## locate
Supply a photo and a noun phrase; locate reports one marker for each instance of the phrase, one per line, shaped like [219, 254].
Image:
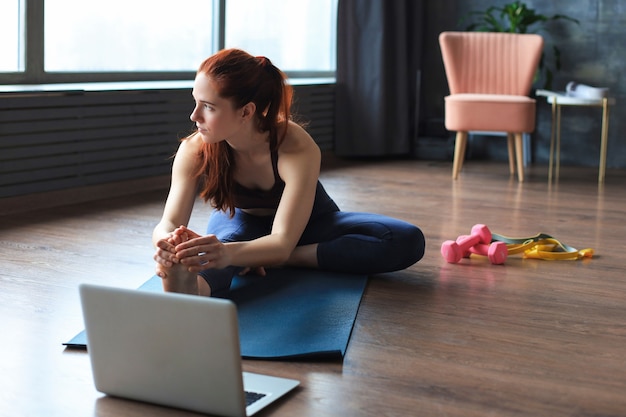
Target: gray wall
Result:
[593, 53]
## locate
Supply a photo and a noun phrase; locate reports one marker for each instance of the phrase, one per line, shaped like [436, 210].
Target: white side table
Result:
[557, 100]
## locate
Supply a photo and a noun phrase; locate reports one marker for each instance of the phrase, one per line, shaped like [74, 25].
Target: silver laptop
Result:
[174, 350]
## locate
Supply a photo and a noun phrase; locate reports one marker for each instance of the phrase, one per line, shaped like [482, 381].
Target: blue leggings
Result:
[359, 243]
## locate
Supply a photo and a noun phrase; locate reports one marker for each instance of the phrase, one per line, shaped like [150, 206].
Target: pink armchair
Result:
[490, 76]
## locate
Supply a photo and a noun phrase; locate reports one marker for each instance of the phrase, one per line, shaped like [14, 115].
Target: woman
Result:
[260, 172]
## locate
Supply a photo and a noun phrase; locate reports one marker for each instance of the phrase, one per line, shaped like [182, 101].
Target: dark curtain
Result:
[379, 46]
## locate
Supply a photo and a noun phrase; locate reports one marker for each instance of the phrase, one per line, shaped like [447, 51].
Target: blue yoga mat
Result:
[289, 314]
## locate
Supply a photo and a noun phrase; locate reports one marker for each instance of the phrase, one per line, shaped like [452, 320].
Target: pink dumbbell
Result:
[497, 252]
[453, 251]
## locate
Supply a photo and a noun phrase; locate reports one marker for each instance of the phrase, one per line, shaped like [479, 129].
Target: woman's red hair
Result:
[242, 78]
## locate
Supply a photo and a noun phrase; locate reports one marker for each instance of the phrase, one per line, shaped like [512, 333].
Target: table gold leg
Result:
[604, 139]
[558, 140]
[551, 161]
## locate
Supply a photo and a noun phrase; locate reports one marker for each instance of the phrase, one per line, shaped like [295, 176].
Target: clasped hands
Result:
[193, 251]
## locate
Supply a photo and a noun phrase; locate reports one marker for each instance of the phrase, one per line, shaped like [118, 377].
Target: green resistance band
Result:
[541, 246]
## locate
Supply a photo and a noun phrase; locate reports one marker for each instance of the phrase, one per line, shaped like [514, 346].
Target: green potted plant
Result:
[516, 17]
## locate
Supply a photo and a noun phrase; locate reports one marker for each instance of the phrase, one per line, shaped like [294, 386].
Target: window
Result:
[11, 33]
[56, 41]
[295, 35]
[137, 35]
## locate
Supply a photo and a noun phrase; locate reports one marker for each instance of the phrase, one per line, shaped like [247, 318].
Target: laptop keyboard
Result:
[252, 397]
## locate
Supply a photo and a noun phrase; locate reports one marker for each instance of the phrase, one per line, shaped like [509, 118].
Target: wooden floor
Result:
[530, 338]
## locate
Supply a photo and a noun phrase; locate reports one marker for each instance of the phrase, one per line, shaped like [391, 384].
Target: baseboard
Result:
[433, 148]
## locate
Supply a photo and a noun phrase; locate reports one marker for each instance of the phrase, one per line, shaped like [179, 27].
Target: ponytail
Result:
[273, 100]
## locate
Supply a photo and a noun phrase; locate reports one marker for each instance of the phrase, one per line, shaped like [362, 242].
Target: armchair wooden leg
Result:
[459, 153]
[510, 139]
[519, 151]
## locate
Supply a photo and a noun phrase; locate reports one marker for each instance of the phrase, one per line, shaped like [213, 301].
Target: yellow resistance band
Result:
[541, 246]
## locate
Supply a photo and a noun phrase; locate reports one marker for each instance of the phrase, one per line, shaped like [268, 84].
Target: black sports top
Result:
[248, 198]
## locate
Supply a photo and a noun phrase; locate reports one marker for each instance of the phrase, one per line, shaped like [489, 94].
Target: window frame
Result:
[34, 57]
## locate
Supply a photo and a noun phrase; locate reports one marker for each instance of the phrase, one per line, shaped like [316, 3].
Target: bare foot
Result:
[180, 280]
